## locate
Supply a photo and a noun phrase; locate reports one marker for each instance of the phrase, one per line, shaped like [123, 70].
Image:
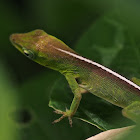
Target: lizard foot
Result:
[64, 115]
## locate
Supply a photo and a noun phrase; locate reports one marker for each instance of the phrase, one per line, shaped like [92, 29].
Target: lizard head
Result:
[27, 43]
[41, 48]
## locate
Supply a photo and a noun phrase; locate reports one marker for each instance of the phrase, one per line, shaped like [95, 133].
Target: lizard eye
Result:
[29, 54]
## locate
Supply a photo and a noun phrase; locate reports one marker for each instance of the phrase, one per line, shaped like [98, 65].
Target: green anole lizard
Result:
[82, 74]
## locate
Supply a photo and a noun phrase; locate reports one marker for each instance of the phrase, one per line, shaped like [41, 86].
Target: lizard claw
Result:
[58, 112]
[58, 120]
[70, 121]
[64, 114]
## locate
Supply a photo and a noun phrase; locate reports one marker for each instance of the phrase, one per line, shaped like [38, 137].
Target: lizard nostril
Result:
[12, 38]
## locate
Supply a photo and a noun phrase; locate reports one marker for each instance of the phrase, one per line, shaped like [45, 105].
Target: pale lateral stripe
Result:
[99, 65]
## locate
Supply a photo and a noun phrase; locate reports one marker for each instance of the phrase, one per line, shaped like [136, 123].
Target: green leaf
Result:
[134, 134]
[102, 41]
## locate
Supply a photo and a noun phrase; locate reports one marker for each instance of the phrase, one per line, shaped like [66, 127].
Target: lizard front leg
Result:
[76, 100]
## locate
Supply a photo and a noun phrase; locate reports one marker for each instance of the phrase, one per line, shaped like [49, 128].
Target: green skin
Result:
[81, 75]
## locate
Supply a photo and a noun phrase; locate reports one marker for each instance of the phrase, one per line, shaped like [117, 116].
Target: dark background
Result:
[68, 21]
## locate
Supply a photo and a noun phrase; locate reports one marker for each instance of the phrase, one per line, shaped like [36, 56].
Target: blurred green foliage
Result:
[8, 102]
[104, 31]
